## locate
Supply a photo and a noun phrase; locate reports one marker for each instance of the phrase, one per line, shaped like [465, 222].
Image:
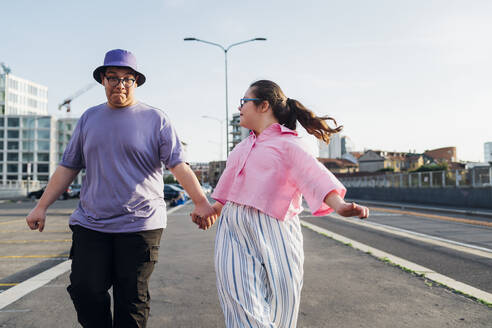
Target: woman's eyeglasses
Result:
[242, 101]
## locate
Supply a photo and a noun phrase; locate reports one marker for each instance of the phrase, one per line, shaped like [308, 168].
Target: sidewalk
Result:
[342, 288]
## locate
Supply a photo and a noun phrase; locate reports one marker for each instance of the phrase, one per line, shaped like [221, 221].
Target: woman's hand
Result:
[353, 209]
[343, 208]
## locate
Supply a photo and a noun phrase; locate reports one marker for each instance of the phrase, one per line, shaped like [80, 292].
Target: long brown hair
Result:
[288, 111]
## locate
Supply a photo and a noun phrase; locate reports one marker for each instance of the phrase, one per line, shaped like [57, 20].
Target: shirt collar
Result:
[275, 129]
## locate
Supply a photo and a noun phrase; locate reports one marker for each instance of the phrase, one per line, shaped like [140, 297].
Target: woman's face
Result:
[248, 116]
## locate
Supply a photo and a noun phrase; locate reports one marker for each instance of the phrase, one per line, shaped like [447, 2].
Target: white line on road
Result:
[11, 295]
[426, 272]
[462, 247]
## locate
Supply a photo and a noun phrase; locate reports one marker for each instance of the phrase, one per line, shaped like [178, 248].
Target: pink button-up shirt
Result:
[272, 172]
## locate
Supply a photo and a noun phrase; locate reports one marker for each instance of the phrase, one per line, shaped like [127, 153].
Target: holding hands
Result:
[204, 215]
[205, 221]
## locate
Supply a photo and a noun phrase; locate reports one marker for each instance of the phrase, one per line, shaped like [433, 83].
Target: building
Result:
[201, 171]
[238, 132]
[64, 131]
[377, 160]
[27, 148]
[339, 165]
[22, 97]
[487, 152]
[331, 150]
[445, 154]
[215, 170]
[347, 146]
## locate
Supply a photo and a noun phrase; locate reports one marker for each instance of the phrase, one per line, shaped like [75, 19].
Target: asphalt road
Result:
[343, 287]
[467, 268]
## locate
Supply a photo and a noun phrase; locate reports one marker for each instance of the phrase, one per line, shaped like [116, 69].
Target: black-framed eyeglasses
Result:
[114, 81]
[242, 101]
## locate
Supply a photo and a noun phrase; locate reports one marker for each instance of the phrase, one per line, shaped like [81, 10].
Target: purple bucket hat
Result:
[119, 58]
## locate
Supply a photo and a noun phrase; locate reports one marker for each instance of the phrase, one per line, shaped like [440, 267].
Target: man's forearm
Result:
[185, 176]
[59, 182]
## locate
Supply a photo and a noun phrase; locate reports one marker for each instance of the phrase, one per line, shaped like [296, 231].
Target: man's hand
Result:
[36, 219]
[353, 209]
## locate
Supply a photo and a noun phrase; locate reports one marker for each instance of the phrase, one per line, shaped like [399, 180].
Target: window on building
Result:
[1, 169]
[12, 177]
[44, 122]
[14, 157]
[43, 145]
[1, 158]
[1, 133]
[1, 121]
[13, 98]
[1, 145]
[42, 177]
[27, 157]
[32, 90]
[13, 84]
[43, 134]
[43, 157]
[12, 145]
[13, 134]
[27, 134]
[12, 168]
[32, 102]
[2, 110]
[43, 168]
[28, 122]
[28, 145]
[2, 96]
[13, 122]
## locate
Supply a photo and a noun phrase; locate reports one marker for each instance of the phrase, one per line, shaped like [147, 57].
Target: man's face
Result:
[120, 93]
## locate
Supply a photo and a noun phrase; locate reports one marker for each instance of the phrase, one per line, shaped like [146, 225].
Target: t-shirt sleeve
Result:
[171, 151]
[73, 156]
[313, 180]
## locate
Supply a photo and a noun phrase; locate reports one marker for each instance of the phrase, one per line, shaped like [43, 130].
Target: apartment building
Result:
[27, 147]
[22, 97]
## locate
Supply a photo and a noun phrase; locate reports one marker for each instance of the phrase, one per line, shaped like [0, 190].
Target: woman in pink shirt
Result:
[258, 248]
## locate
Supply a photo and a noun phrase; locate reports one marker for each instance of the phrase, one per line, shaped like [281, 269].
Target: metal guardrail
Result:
[476, 177]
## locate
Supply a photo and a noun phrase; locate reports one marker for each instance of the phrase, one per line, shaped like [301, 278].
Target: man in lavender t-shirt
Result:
[119, 220]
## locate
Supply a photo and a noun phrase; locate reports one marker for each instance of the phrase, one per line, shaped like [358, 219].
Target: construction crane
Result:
[66, 102]
[5, 68]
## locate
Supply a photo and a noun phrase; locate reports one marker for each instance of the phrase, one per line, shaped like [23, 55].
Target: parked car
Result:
[174, 194]
[38, 193]
[74, 190]
[207, 188]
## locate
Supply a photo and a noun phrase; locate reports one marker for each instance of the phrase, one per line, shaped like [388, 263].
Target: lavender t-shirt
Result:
[122, 151]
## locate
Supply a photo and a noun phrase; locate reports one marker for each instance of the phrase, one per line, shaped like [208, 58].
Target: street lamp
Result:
[221, 134]
[225, 49]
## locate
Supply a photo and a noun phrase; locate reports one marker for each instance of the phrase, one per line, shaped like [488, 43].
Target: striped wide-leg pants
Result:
[259, 266]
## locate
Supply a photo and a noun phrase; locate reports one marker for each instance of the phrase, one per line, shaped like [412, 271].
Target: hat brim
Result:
[97, 74]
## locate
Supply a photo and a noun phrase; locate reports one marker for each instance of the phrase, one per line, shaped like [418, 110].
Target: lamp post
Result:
[225, 49]
[221, 133]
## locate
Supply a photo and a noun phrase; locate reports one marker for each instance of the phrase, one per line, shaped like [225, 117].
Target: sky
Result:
[398, 75]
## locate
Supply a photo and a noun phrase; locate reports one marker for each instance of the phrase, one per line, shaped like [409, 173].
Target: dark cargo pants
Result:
[123, 261]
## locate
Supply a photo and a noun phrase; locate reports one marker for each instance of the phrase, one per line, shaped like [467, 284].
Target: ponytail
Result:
[288, 111]
[313, 124]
